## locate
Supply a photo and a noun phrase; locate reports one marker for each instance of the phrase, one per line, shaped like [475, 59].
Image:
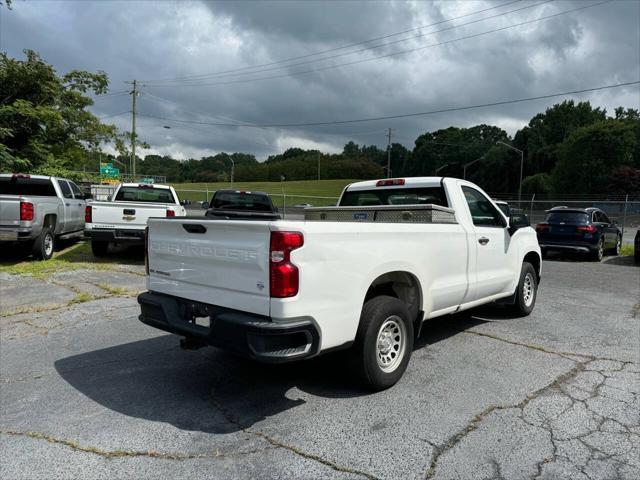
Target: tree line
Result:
[571, 148]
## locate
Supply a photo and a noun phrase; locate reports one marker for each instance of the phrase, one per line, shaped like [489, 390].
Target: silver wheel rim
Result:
[527, 290]
[618, 246]
[48, 244]
[391, 343]
[600, 250]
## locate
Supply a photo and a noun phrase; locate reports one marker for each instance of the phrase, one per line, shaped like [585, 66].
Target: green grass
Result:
[75, 257]
[626, 250]
[296, 192]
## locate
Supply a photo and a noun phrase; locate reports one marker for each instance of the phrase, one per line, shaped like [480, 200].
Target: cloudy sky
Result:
[284, 62]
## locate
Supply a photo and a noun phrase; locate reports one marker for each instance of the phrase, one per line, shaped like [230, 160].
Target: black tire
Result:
[526, 297]
[598, 254]
[45, 244]
[99, 249]
[382, 316]
[616, 250]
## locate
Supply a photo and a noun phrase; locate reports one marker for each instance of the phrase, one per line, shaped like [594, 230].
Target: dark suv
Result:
[586, 230]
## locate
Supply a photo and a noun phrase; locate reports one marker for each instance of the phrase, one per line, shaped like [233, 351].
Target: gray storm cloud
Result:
[154, 42]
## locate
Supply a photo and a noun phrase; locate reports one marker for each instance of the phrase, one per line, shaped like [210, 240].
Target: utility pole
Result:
[389, 130]
[134, 94]
[318, 164]
[233, 168]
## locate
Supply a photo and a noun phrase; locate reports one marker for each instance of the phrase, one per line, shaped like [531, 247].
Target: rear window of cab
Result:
[35, 187]
[144, 194]
[394, 196]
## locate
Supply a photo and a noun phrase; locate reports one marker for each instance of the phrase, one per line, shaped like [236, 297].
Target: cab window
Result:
[483, 213]
[76, 191]
[66, 189]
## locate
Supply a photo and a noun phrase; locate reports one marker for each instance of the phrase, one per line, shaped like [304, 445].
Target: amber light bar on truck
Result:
[284, 275]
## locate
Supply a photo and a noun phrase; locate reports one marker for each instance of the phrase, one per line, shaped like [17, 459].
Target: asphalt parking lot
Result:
[87, 391]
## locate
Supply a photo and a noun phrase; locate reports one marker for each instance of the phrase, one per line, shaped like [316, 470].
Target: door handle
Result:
[483, 240]
[67, 204]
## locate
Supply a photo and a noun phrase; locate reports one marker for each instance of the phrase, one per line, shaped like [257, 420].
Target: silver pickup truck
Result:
[35, 210]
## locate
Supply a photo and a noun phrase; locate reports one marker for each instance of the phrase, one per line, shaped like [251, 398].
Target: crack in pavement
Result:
[130, 453]
[277, 443]
[599, 422]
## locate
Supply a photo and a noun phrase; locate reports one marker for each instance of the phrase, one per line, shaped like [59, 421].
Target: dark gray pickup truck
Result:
[35, 210]
[229, 204]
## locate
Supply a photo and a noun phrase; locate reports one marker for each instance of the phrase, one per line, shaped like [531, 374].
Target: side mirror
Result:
[517, 221]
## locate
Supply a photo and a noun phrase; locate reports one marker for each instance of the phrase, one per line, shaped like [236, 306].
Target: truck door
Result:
[69, 220]
[493, 273]
[78, 207]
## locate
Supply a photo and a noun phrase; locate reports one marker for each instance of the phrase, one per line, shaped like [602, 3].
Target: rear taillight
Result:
[389, 182]
[587, 229]
[26, 211]
[146, 250]
[284, 276]
[542, 227]
[171, 213]
[88, 214]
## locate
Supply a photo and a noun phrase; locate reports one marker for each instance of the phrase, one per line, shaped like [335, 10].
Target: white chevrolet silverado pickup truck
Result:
[123, 219]
[364, 275]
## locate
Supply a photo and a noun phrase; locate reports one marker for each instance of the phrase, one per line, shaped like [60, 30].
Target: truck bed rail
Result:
[425, 213]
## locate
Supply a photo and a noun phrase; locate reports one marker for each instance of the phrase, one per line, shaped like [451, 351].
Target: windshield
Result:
[567, 217]
[394, 196]
[37, 187]
[145, 194]
[245, 201]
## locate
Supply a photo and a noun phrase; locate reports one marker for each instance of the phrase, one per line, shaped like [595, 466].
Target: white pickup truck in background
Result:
[364, 275]
[123, 219]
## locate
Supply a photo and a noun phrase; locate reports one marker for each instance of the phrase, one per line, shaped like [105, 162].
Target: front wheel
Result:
[44, 245]
[618, 246]
[384, 342]
[527, 291]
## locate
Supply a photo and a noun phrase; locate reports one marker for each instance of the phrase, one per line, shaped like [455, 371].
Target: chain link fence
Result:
[624, 210]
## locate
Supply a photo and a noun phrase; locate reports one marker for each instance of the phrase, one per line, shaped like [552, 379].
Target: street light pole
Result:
[464, 168]
[440, 168]
[521, 167]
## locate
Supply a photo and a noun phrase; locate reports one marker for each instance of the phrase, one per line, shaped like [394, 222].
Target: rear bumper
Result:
[574, 247]
[243, 333]
[129, 237]
[18, 234]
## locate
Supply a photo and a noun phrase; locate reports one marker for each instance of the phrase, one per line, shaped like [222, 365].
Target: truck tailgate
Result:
[9, 210]
[217, 262]
[125, 214]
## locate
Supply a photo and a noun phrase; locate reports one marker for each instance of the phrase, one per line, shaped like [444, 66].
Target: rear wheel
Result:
[99, 249]
[598, 253]
[527, 291]
[384, 342]
[44, 245]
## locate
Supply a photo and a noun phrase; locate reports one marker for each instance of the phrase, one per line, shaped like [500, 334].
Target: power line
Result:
[404, 115]
[335, 49]
[388, 55]
[102, 117]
